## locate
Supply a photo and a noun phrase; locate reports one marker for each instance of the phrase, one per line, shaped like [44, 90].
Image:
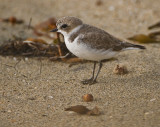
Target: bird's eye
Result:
[64, 25]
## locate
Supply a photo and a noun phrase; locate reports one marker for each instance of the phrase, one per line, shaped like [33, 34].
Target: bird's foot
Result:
[88, 81]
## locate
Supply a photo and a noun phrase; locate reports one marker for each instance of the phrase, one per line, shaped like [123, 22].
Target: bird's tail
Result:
[139, 46]
[128, 45]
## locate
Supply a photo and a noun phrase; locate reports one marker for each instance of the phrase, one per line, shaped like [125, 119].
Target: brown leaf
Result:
[13, 20]
[141, 38]
[80, 109]
[47, 25]
[155, 35]
[156, 25]
[43, 28]
[36, 40]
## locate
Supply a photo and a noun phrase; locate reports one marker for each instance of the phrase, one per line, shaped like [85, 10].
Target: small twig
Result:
[58, 37]
[29, 25]
[61, 57]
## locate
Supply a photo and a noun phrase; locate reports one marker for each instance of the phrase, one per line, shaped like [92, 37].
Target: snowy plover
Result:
[90, 43]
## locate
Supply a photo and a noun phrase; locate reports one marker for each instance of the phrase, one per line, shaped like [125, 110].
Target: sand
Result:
[34, 93]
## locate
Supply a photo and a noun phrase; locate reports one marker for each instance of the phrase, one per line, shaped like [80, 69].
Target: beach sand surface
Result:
[35, 92]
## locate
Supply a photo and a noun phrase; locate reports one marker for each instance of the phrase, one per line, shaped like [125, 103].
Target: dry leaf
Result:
[47, 25]
[36, 40]
[121, 70]
[141, 38]
[80, 109]
[155, 35]
[156, 25]
[13, 20]
[43, 29]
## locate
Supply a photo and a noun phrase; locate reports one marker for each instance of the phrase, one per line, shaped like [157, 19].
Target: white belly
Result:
[84, 51]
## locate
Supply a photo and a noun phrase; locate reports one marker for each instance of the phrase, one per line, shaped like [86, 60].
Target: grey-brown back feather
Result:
[100, 39]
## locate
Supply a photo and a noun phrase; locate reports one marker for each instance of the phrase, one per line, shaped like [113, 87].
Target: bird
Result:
[90, 43]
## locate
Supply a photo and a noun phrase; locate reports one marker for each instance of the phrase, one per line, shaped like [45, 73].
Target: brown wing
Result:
[101, 41]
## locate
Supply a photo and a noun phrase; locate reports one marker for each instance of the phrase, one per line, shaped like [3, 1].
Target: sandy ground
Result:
[34, 93]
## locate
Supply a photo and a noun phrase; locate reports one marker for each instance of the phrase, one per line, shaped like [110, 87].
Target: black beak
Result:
[54, 30]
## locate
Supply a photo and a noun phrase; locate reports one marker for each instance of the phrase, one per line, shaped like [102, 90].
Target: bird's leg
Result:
[99, 69]
[88, 81]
